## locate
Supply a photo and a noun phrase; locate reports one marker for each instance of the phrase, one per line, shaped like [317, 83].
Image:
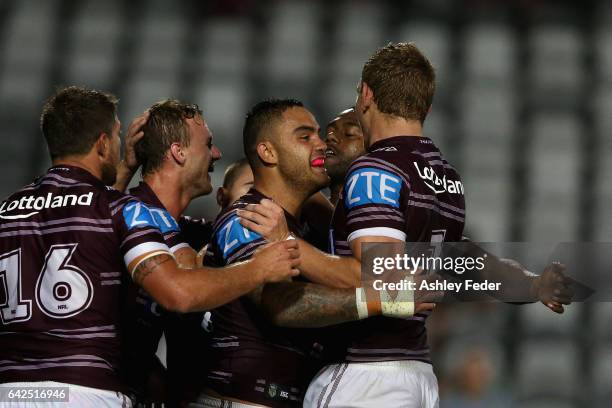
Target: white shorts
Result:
[397, 384]
[78, 396]
[206, 401]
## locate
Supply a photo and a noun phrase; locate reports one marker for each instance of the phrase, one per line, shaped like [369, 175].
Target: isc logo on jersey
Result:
[139, 215]
[369, 185]
[232, 235]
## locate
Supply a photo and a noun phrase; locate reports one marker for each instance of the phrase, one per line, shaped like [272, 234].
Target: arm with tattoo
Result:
[188, 290]
[148, 266]
[307, 305]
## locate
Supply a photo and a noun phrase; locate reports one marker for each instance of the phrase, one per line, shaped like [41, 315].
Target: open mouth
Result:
[330, 153]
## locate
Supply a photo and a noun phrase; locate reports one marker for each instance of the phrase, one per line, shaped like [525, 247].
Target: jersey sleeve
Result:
[372, 202]
[167, 225]
[139, 233]
[231, 242]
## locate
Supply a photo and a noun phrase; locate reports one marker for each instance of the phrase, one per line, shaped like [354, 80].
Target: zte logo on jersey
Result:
[138, 215]
[436, 184]
[232, 235]
[370, 185]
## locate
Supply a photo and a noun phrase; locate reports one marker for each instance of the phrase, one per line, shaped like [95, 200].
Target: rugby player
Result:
[66, 237]
[167, 187]
[237, 181]
[252, 362]
[389, 196]
[344, 140]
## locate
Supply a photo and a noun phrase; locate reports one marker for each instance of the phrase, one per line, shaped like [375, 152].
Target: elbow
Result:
[178, 300]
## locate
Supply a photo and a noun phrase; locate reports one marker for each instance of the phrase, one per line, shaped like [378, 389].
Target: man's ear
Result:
[367, 96]
[221, 197]
[102, 145]
[267, 154]
[177, 153]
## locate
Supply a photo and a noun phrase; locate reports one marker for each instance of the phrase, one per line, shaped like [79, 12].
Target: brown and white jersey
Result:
[144, 320]
[65, 241]
[404, 189]
[251, 359]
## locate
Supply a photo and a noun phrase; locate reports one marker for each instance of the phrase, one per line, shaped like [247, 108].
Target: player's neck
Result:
[384, 127]
[283, 194]
[168, 191]
[80, 162]
[335, 190]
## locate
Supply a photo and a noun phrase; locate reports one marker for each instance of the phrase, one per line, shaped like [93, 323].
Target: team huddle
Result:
[264, 306]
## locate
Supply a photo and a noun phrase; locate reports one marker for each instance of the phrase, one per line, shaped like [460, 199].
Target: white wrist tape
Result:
[362, 304]
[402, 306]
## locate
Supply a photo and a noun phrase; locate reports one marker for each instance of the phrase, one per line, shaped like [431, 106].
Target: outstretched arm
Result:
[519, 285]
[309, 305]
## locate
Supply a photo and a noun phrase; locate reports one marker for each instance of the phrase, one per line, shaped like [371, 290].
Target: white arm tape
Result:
[362, 304]
[402, 306]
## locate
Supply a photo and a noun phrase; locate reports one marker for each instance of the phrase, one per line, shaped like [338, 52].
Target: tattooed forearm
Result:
[301, 304]
[148, 266]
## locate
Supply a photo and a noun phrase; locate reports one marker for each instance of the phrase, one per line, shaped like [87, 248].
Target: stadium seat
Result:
[226, 47]
[293, 42]
[553, 177]
[224, 104]
[548, 369]
[538, 320]
[603, 54]
[602, 321]
[602, 375]
[94, 44]
[490, 52]
[556, 68]
[162, 35]
[354, 39]
[27, 54]
[548, 402]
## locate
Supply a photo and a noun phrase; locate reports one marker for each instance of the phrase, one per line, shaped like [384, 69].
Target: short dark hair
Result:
[402, 80]
[166, 125]
[73, 119]
[259, 119]
[232, 172]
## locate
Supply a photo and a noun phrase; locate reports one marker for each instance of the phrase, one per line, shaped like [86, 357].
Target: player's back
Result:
[403, 189]
[62, 253]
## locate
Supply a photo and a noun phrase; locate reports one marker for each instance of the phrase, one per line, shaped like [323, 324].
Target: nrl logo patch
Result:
[272, 390]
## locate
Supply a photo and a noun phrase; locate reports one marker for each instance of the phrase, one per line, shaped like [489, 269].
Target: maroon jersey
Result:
[66, 238]
[144, 320]
[403, 189]
[251, 359]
